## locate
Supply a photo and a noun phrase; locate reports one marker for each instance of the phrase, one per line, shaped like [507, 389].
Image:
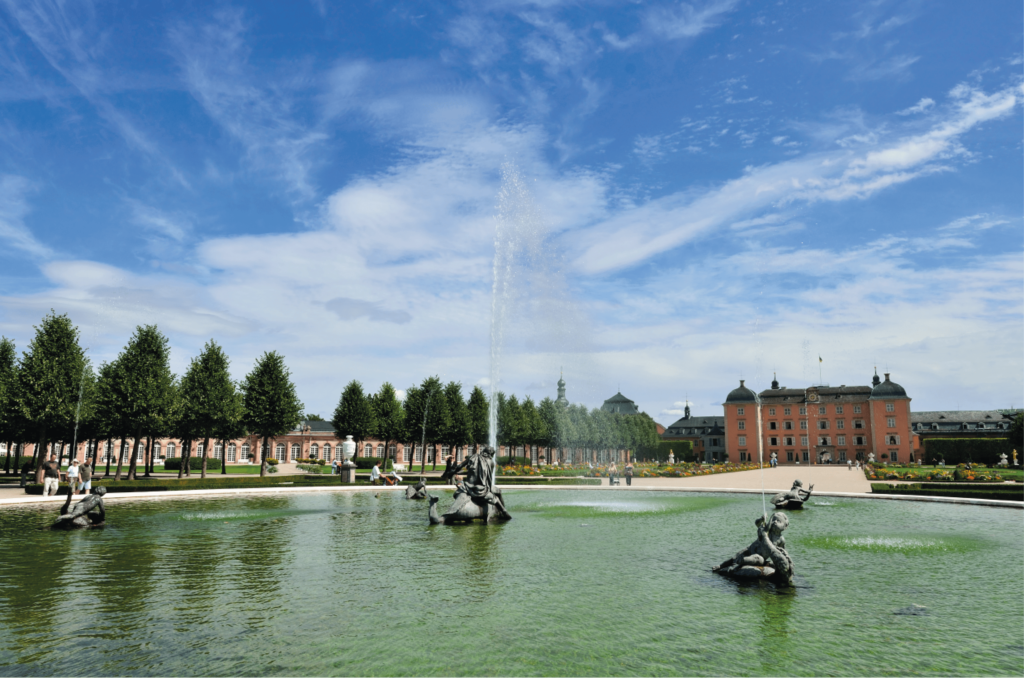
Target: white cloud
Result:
[678, 21]
[920, 107]
[631, 236]
[974, 222]
[13, 209]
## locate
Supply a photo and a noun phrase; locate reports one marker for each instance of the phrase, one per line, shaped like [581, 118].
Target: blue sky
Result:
[724, 189]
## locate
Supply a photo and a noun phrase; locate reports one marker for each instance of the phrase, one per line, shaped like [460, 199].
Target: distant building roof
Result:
[962, 420]
[741, 394]
[315, 426]
[620, 404]
[695, 426]
[888, 389]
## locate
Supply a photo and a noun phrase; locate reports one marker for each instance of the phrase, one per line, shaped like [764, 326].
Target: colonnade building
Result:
[820, 424]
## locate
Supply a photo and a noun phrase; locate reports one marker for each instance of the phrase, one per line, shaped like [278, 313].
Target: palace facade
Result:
[820, 424]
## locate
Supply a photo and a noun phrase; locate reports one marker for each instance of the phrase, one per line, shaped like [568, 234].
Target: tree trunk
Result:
[186, 454]
[133, 465]
[40, 455]
[120, 457]
[223, 457]
[109, 443]
[265, 443]
[7, 462]
[206, 453]
[149, 456]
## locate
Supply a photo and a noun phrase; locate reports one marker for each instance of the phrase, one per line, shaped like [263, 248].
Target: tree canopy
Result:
[271, 407]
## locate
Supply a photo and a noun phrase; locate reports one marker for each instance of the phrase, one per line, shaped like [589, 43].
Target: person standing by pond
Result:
[85, 477]
[613, 471]
[51, 476]
[628, 471]
[72, 477]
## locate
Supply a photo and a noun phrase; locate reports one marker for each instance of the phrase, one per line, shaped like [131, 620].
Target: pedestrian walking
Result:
[628, 471]
[51, 476]
[72, 476]
[85, 477]
[334, 467]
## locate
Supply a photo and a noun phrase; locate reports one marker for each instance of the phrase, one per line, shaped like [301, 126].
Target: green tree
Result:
[426, 415]
[312, 417]
[390, 417]
[271, 407]
[8, 380]
[534, 426]
[354, 415]
[1016, 437]
[210, 403]
[479, 416]
[460, 428]
[49, 378]
[549, 413]
[140, 396]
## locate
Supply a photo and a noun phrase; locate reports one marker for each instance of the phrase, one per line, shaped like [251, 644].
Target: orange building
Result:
[820, 424]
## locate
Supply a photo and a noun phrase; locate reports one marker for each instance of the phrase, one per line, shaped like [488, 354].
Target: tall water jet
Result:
[518, 241]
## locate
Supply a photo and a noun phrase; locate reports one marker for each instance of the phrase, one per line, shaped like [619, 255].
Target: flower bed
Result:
[681, 470]
[977, 474]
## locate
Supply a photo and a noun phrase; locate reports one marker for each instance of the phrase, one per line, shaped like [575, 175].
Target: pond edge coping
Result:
[247, 491]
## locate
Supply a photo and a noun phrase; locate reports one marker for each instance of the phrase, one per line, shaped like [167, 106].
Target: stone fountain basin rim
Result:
[242, 491]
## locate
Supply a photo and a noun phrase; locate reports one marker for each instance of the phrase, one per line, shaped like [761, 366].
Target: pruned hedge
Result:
[194, 464]
[1004, 492]
[514, 461]
[368, 462]
[963, 450]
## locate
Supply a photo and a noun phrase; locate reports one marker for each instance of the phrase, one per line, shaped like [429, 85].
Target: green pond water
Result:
[579, 583]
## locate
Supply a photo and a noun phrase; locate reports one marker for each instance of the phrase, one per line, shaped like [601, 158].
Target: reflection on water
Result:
[576, 584]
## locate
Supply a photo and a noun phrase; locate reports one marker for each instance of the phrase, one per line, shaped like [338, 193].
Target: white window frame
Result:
[840, 423]
[743, 440]
[890, 422]
[741, 425]
[739, 410]
[839, 409]
[890, 407]
[856, 409]
[232, 452]
[840, 440]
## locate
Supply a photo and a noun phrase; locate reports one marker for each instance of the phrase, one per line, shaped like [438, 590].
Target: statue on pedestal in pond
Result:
[795, 498]
[766, 558]
[475, 496]
[417, 491]
[87, 513]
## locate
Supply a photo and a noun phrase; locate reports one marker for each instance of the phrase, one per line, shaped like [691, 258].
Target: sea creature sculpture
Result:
[766, 557]
[417, 491]
[88, 513]
[795, 498]
[475, 496]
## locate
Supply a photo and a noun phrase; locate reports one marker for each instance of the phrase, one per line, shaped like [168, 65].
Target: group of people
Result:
[613, 473]
[78, 477]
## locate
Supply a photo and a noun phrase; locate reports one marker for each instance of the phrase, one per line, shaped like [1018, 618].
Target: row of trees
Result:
[437, 414]
[52, 394]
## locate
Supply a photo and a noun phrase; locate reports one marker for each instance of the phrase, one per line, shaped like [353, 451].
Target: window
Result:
[393, 451]
[842, 455]
[156, 450]
[840, 423]
[380, 450]
[858, 440]
[789, 455]
[821, 409]
[788, 425]
[807, 456]
[890, 422]
[218, 451]
[245, 451]
[743, 456]
[789, 441]
[199, 450]
[279, 450]
[771, 411]
[894, 440]
[803, 440]
[232, 451]
[741, 425]
[296, 451]
[839, 409]
[803, 424]
[772, 426]
[418, 455]
[773, 441]
[824, 441]
[894, 456]
[787, 410]
[890, 407]
[327, 452]
[367, 450]
[856, 409]
[858, 423]
[743, 440]
[339, 453]
[739, 410]
[823, 424]
[841, 440]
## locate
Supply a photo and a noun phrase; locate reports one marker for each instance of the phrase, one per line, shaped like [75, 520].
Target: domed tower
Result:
[561, 399]
[740, 423]
[890, 420]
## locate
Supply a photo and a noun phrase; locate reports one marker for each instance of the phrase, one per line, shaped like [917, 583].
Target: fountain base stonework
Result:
[765, 558]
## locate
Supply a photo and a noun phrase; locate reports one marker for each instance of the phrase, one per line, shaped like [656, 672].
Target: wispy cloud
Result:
[677, 21]
[920, 107]
[14, 206]
[256, 112]
[974, 222]
[632, 236]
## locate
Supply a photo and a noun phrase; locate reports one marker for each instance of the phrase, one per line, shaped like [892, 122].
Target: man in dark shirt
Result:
[85, 477]
[51, 476]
